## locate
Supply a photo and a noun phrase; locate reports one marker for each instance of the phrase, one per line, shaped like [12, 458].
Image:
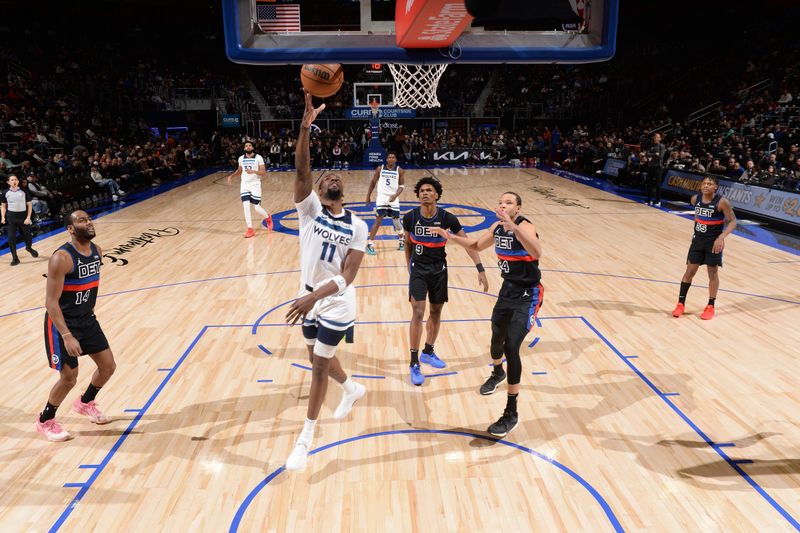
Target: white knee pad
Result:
[324, 350]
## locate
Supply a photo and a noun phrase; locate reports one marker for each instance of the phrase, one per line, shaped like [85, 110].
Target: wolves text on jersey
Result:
[331, 235]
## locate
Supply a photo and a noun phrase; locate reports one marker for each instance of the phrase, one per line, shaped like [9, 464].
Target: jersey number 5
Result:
[327, 249]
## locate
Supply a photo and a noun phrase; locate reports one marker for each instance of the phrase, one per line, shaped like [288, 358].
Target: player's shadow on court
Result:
[758, 468]
[216, 424]
[425, 446]
[769, 302]
[714, 475]
[627, 307]
[456, 363]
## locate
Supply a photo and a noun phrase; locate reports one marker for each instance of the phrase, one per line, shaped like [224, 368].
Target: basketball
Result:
[322, 80]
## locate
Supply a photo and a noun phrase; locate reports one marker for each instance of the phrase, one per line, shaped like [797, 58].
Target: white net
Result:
[416, 85]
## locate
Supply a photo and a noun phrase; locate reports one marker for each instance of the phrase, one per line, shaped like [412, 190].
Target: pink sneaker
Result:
[90, 410]
[52, 430]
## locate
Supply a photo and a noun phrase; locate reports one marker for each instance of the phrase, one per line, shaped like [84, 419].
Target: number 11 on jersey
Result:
[327, 249]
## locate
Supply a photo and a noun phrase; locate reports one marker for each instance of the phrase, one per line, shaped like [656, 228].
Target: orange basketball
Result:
[322, 80]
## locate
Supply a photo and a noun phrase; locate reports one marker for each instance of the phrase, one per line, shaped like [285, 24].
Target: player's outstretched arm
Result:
[302, 153]
[482, 242]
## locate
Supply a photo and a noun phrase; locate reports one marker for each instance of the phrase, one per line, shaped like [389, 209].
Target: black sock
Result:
[414, 357]
[684, 289]
[48, 413]
[511, 405]
[498, 369]
[712, 301]
[428, 349]
[91, 392]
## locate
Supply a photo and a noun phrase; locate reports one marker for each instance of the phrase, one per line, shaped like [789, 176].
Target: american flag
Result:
[278, 17]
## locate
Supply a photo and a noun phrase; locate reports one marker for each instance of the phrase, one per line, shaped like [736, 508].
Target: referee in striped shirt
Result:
[16, 207]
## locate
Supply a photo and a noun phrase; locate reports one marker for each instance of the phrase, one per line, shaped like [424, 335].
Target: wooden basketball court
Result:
[630, 420]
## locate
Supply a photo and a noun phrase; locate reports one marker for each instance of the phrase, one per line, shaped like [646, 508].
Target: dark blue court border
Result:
[574, 475]
[627, 360]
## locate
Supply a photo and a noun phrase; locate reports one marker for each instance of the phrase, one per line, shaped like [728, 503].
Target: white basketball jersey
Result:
[388, 181]
[250, 166]
[325, 240]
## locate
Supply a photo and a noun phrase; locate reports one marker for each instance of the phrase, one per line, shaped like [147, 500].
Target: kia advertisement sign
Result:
[462, 155]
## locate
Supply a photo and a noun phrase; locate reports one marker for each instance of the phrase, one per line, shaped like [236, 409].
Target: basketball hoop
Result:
[416, 84]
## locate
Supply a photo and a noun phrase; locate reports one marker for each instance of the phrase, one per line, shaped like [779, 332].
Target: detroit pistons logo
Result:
[56, 359]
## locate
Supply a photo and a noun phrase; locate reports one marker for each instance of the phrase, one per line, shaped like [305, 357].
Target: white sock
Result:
[247, 217]
[307, 434]
[369, 241]
[349, 386]
[260, 210]
[400, 235]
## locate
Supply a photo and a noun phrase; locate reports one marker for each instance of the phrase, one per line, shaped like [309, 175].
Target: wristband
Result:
[340, 282]
[480, 268]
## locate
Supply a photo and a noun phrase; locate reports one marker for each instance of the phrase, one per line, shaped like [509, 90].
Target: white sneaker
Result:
[344, 407]
[298, 458]
[114, 197]
[121, 192]
[658, 204]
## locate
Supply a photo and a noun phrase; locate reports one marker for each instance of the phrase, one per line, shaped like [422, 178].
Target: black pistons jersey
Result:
[708, 218]
[81, 283]
[429, 247]
[516, 264]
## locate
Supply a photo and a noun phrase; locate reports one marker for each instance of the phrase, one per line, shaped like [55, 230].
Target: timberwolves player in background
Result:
[711, 213]
[70, 327]
[518, 250]
[391, 182]
[332, 242]
[427, 271]
[252, 169]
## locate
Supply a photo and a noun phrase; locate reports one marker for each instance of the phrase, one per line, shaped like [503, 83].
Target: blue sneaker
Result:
[371, 249]
[416, 375]
[431, 359]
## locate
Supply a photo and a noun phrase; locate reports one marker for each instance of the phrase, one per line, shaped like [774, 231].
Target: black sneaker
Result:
[503, 427]
[14, 262]
[494, 381]
[33, 252]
